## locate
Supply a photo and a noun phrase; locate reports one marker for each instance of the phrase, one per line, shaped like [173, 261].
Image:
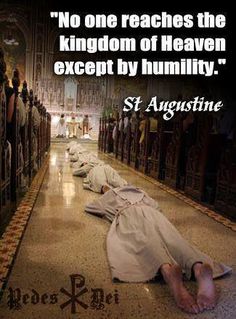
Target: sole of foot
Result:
[206, 296]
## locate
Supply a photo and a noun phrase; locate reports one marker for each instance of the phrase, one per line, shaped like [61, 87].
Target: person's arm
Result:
[151, 202]
[10, 108]
[95, 208]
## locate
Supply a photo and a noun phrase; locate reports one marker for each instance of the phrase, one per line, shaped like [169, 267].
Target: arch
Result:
[53, 35]
[20, 22]
[17, 14]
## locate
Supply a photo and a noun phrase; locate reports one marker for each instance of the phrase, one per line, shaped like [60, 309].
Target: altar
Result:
[76, 97]
[78, 125]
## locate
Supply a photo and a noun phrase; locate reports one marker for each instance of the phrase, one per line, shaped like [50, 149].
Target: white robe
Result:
[82, 171]
[101, 175]
[83, 158]
[141, 238]
[61, 127]
[76, 148]
[70, 144]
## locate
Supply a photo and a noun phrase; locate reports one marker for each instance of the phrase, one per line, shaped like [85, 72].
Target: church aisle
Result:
[62, 246]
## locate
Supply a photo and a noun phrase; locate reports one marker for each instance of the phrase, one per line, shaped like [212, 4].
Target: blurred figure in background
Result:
[61, 127]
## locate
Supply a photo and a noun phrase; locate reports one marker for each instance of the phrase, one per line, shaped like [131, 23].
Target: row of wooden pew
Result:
[23, 148]
[187, 153]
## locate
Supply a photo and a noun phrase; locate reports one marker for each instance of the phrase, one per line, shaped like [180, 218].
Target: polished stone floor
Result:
[62, 267]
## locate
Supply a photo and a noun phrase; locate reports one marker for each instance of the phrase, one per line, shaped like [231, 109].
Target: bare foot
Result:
[206, 296]
[105, 189]
[173, 277]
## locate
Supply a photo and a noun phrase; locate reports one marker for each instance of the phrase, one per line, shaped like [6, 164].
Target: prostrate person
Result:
[70, 144]
[101, 175]
[76, 148]
[79, 157]
[85, 167]
[82, 158]
[142, 243]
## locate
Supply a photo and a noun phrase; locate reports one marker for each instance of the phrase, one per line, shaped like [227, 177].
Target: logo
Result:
[78, 296]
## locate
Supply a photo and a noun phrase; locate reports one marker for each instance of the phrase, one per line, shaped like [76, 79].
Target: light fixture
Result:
[9, 39]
